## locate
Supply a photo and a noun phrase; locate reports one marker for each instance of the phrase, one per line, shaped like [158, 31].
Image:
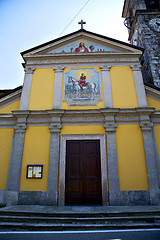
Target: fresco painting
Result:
[82, 46]
[82, 87]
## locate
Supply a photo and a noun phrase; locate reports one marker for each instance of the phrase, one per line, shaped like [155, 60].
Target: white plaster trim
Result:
[153, 93]
[82, 117]
[81, 36]
[13, 97]
[64, 138]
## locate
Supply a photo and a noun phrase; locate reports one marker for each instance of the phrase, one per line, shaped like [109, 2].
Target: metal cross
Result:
[81, 22]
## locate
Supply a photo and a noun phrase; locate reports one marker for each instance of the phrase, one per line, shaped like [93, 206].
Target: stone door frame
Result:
[62, 166]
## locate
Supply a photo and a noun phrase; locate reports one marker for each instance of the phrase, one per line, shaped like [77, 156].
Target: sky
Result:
[28, 23]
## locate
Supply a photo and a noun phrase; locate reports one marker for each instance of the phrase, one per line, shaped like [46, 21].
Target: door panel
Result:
[83, 172]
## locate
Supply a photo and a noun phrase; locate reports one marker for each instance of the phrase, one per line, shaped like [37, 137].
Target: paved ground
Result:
[88, 235]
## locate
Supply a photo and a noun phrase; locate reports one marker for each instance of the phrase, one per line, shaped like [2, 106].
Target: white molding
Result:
[153, 93]
[84, 36]
[10, 98]
[104, 182]
[82, 117]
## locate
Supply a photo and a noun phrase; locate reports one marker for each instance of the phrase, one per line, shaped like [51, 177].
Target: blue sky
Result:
[27, 23]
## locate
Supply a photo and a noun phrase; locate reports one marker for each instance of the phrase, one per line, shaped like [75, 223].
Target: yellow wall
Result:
[10, 107]
[157, 134]
[153, 103]
[64, 105]
[5, 148]
[123, 87]
[131, 158]
[41, 97]
[36, 151]
[83, 129]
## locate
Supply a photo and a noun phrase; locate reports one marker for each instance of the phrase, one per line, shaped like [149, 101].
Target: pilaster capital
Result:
[29, 70]
[136, 67]
[58, 69]
[146, 126]
[105, 67]
[21, 117]
[55, 127]
[20, 128]
[110, 127]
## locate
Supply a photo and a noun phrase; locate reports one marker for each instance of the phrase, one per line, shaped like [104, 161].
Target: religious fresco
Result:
[82, 46]
[82, 86]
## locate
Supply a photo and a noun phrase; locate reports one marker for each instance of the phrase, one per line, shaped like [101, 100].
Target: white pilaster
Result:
[148, 141]
[107, 86]
[57, 88]
[24, 103]
[55, 127]
[14, 171]
[113, 178]
[140, 90]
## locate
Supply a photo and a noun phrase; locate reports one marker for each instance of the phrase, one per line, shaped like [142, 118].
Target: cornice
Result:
[7, 121]
[92, 55]
[109, 117]
[113, 60]
[10, 98]
[153, 93]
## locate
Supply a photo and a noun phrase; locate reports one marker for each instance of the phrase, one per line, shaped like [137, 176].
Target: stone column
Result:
[14, 170]
[107, 86]
[24, 103]
[110, 128]
[148, 141]
[57, 88]
[140, 90]
[55, 127]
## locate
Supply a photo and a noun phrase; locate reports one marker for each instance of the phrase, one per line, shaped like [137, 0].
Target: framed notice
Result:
[34, 171]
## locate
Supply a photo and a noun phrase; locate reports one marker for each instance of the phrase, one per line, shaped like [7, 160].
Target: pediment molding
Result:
[61, 48]
[10, 98]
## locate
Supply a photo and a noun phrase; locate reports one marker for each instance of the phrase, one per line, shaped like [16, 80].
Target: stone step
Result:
[35, 218]
[82, 214]
[65, 227]
[148, 219]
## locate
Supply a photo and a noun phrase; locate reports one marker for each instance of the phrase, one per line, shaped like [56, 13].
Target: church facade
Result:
[84, 129]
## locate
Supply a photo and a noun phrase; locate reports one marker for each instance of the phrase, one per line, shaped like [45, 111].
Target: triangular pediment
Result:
[81, 42]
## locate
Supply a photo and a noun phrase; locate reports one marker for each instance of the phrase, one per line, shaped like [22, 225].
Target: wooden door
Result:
[83, 173]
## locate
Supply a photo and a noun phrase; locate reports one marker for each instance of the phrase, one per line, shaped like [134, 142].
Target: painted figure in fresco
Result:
[81, 48]
[91, 86]
[82, 81]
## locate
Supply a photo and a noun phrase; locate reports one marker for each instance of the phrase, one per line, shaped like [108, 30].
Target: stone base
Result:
[123, 198]
[11, 198]
[129, 198]
[2, 198]
[32, 198]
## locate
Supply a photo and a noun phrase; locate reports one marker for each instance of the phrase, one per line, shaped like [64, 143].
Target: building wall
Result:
[41, 96]
[157, 134]
[5, 148]
[131, 158]
[35, 151]
[153, 103]
[123, 87]
[10, 107]
[83, 129]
